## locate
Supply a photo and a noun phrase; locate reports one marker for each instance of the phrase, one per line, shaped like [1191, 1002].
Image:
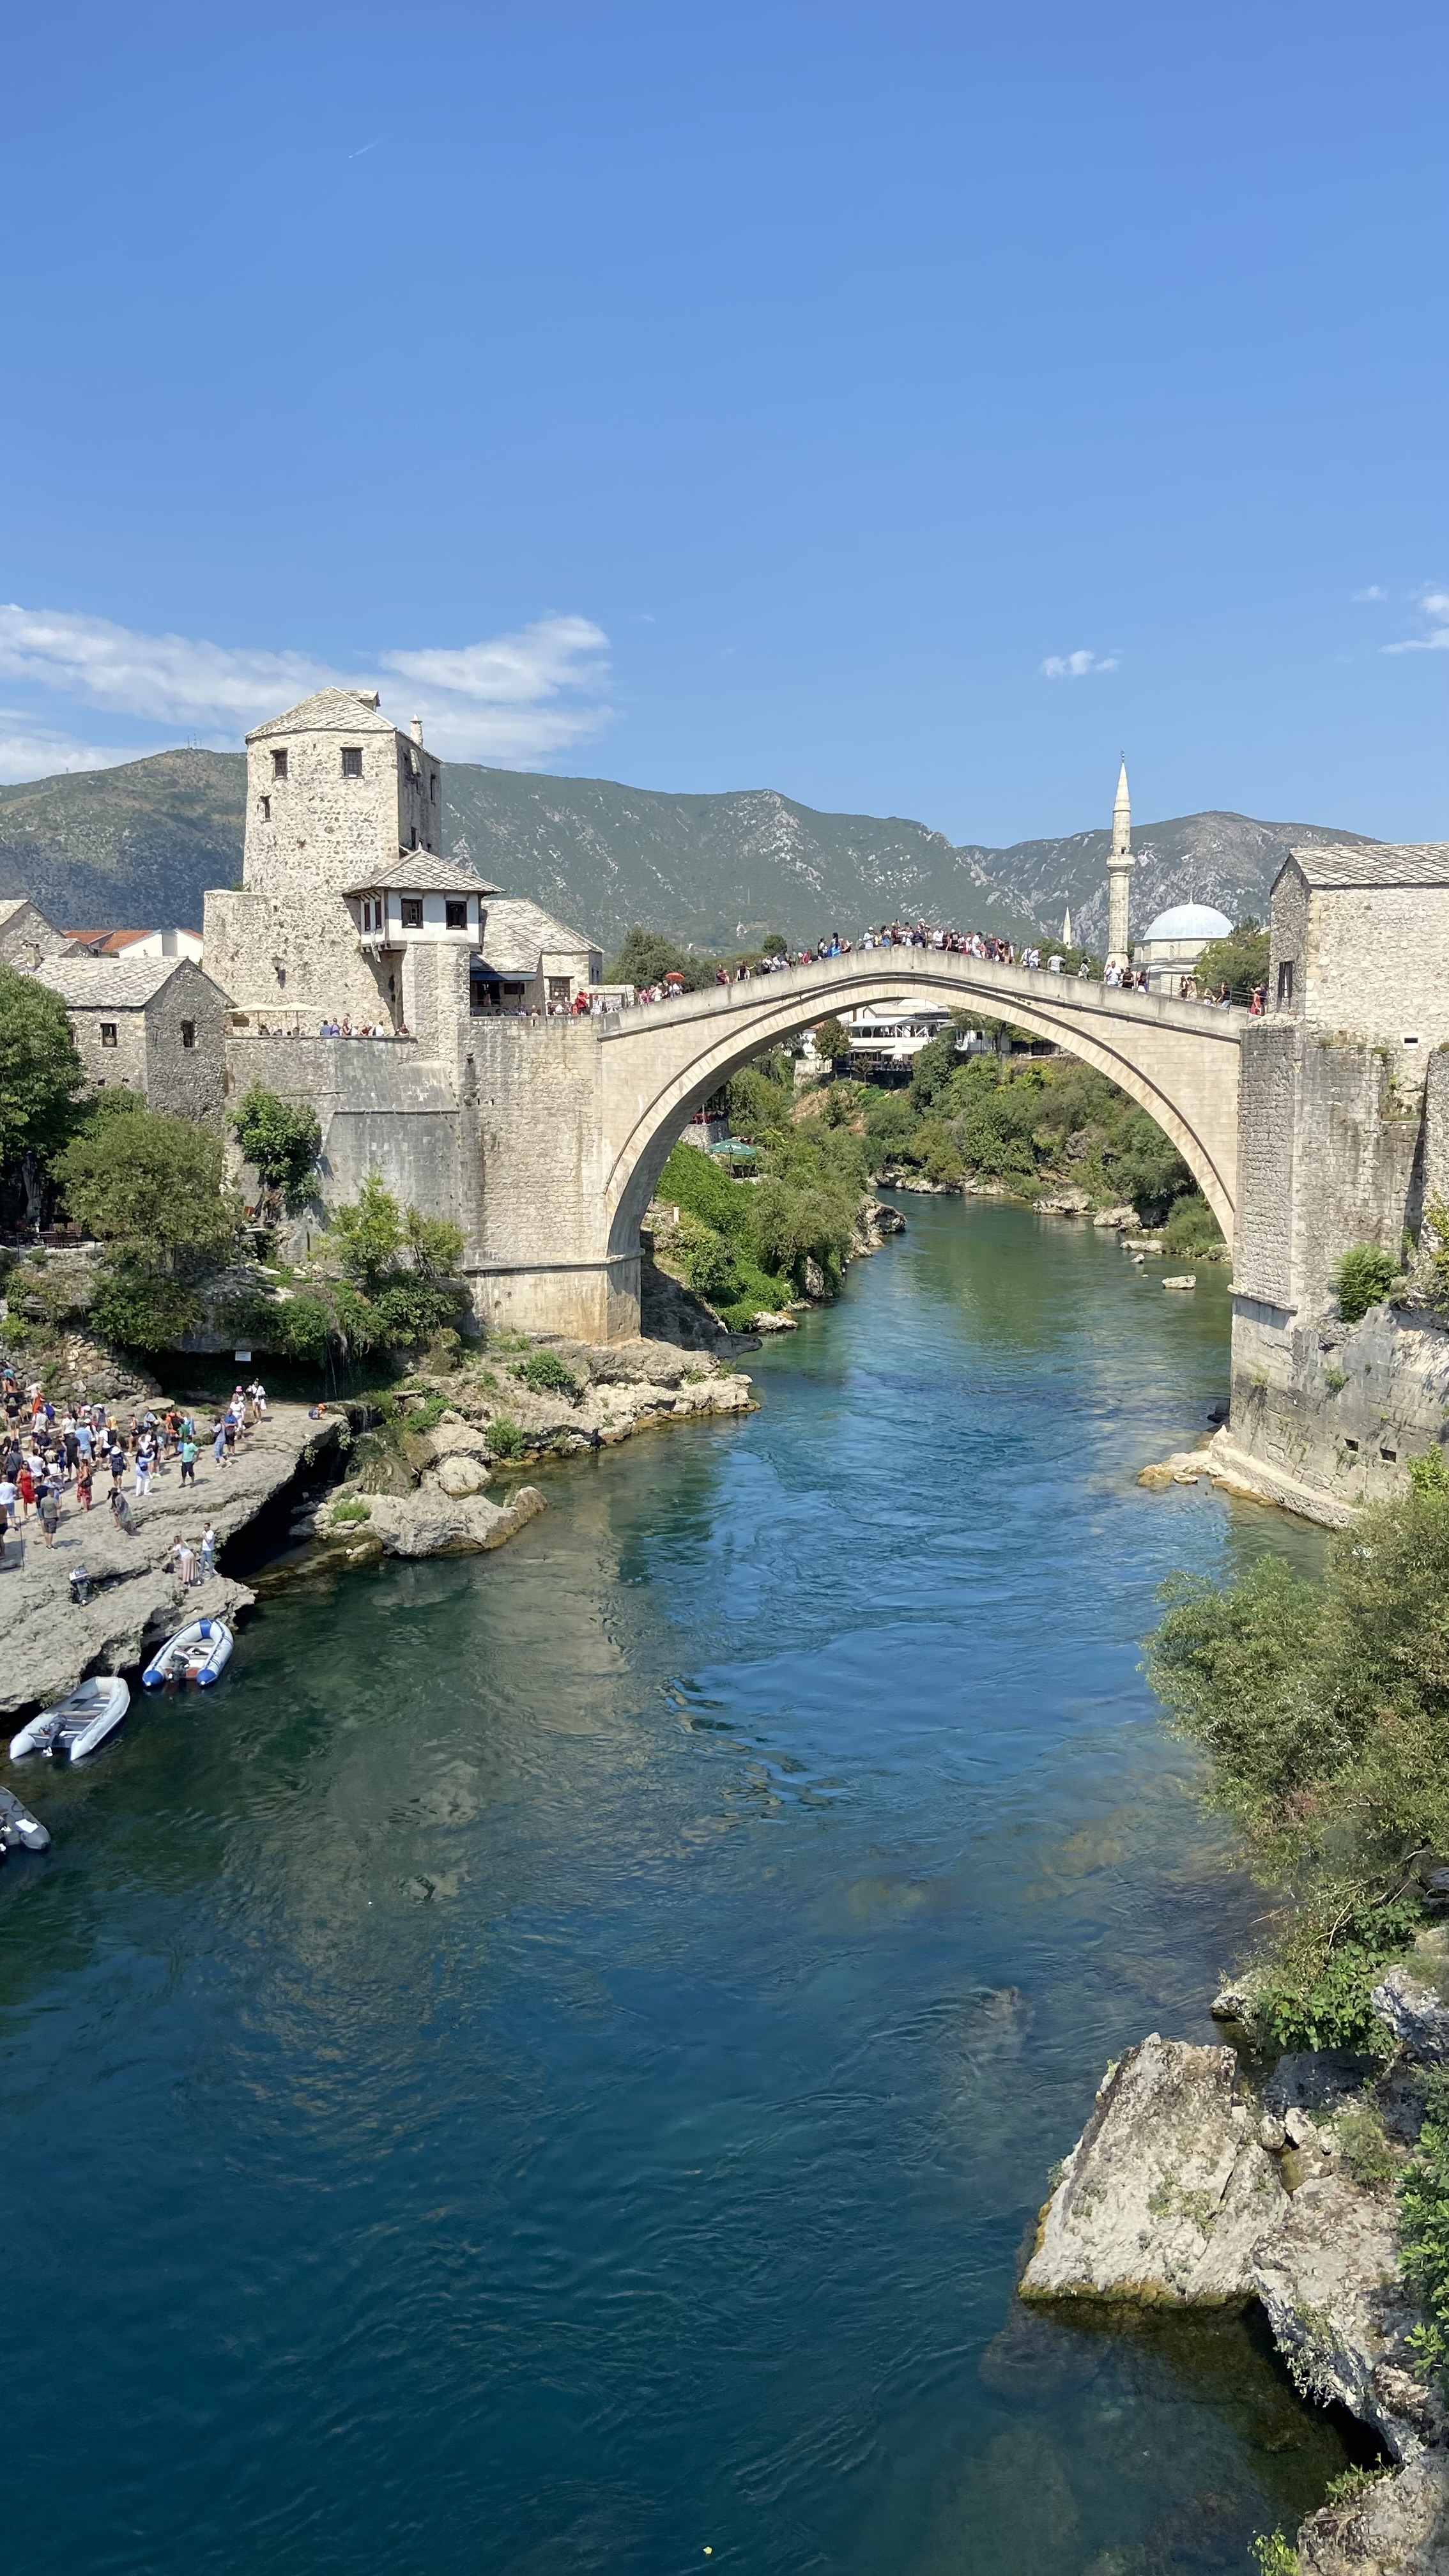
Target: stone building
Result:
[1172, 944]
[26, 936]
[348, 908]
[137, 943]
[156, 1025]
[1344, 1140]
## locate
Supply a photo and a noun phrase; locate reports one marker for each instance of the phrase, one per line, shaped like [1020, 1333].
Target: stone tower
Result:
[336, 795]
[1119, 874]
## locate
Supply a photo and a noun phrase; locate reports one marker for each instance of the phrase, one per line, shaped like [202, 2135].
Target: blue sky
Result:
[735, 396]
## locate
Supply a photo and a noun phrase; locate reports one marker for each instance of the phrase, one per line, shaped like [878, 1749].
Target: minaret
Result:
[1067, 927]
[1119, 868]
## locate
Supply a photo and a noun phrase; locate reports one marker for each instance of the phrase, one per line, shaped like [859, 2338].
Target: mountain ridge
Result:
[137, 845]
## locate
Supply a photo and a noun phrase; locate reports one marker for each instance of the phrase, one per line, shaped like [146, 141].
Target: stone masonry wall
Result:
[187, 1082]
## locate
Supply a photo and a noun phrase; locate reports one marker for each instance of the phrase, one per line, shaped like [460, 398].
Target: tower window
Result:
[351, 760]
[412, 912]
[433, 784]
[188, 1033]
[279, 764]
[1285, 980]
[265, 803]
[108, 1033]
[456, 914]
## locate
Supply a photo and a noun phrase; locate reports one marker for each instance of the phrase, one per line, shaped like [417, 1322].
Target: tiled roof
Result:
[106, 983]
[1374, 863]
[419, 872]
[516, 933]
[329, 711]
[105, 943]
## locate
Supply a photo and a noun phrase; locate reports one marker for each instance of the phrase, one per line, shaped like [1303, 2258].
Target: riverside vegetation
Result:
[1322, 1709]
[1025, 1127]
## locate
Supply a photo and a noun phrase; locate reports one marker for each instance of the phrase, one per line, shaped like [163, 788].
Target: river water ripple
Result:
[551, 2067]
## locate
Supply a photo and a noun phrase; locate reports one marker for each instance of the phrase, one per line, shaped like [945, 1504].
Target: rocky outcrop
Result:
[432, 1522]
[48, 1642]
[1182, 2191]
[1397, 2527]
[1167, 2192]
[1413, 1998]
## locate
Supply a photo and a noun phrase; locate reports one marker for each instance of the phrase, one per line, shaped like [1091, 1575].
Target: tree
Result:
[832, 1041]
[1240, 962]
[646, 957]
[368, 1237]
[41, 1080]
[151, 1185]
[283, 1141]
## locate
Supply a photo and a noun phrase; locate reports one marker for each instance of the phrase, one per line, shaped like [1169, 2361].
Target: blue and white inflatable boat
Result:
[195, 1654]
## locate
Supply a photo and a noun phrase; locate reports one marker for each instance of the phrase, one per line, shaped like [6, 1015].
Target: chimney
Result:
[417, 729]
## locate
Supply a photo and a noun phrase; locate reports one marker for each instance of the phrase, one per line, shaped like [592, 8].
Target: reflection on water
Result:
[551, 2068]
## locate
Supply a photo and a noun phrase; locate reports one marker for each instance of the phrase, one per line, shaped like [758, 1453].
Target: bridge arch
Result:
[1176, 1060]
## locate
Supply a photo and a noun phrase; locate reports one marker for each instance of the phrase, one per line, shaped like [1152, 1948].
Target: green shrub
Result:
[1274, 2555]
[1424, 2223]
[1362, 1279]
[282, 1141]
[1363, 2143]
[413, 1309]
[1429, 1472]
[1191, 1226]
[355, 1508]
[506, 1438]
[133, 1306]
[1317, 1993]
[545, 1372]
[1354, 2482]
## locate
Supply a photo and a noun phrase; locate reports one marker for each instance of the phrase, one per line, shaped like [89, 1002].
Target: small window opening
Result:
[412, 912]
[188, 1033]
[1390, 1456]
[108, 1033]
[456, 914]
[433, 785]
[279, 764]
[558, 988]
[351, 760]
[1285, 980]
[1353, 1445]
[266, 805]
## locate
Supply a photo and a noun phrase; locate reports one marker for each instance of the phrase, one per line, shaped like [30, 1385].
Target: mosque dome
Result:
[1184, 921]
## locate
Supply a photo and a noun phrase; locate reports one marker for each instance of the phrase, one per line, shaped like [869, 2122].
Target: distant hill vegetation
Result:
[139, 845]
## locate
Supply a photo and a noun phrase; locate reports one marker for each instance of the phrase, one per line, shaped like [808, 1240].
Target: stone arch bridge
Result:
[574, 1119]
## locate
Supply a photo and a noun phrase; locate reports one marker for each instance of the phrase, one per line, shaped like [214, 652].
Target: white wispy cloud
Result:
[1360, 597]
[517, 698]
[1077, 666]
[1434, 609]
[29, 750]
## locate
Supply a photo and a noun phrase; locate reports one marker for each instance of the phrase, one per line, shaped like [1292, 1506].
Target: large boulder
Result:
[1397, 2527]
[1167, 2192]
[461, 1474]
[432, 1523]
[1413, 1998]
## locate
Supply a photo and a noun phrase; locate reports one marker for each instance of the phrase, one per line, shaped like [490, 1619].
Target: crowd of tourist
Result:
[52, 1458]
[993, 950]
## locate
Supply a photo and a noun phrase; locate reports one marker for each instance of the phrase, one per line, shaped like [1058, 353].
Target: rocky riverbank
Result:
[414, 1466]
[1195, 2185]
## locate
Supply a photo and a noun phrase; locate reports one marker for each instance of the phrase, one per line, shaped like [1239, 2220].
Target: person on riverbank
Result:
[121, 1512]
[183, 1556]
[145, 1463]
[218, 1445]
[84, 1484]
[25, 1487]
[49, 1515]
[7, 1509]
[186, 1451]
[208, 1553]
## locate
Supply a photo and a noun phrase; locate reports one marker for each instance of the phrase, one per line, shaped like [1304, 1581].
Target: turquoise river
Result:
[551, 2069]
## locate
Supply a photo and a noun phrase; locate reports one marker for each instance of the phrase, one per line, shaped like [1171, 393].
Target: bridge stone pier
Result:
[574, 1119]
